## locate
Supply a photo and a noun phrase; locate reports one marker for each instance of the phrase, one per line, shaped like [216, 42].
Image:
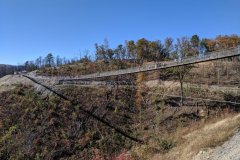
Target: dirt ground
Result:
[10, 81]
[230, 150]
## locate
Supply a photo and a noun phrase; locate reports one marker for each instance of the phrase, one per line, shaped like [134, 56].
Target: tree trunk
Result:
[181, 87]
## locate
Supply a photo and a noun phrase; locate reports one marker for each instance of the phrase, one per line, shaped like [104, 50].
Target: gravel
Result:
[230, 150]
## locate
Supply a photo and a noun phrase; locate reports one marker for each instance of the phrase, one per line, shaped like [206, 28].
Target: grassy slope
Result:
[33, 127]
[50, 124]
[210, 134]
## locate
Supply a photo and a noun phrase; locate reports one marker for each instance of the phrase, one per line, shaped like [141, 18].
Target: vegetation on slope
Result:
[37, 127]
[33, 127]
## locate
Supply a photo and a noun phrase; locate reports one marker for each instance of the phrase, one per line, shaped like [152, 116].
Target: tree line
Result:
[143, 50]
[9, 69]
[51, 61]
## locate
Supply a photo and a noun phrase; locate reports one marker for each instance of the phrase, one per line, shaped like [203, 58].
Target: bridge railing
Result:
[160, 65]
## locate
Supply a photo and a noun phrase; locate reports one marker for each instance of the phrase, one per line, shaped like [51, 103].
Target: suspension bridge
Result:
[90, 79]
[209, 56]
[145, 68]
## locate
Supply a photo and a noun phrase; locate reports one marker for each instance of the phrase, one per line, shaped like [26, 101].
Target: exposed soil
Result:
[10, 81]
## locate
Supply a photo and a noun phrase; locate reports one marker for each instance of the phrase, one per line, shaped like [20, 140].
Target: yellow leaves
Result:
[74, 115]
[8, 133]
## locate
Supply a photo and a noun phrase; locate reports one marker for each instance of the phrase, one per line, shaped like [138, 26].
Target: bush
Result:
[167, 144]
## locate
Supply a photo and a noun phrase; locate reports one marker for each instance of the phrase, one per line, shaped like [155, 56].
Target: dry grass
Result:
[201, 136]
[9, 82]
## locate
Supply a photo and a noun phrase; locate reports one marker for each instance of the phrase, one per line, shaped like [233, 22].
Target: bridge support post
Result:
[239, 49]
[218, 76]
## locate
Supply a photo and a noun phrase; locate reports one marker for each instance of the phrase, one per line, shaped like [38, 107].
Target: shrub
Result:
[167, 144]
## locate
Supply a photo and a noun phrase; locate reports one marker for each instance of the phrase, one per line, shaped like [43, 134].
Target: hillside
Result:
[171, 113]
[229, 150]
[119, 80]
[200, 143]
[52, 128]
[10, 82]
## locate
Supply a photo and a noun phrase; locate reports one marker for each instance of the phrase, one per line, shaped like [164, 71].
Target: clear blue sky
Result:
[33, 28]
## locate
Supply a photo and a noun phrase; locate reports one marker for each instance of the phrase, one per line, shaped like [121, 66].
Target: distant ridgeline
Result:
[9, 69]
